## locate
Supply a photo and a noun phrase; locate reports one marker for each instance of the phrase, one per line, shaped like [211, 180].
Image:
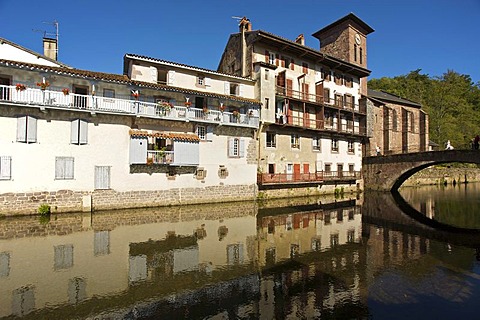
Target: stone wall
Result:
[442, 175]
[320, 190]
[73, 201]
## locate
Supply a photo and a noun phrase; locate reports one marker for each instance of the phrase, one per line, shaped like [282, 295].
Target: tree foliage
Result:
[452, 102]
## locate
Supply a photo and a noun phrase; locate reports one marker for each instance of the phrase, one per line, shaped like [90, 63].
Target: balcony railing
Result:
[57, 99]
[299, 178]
[327, 125]
[160, 157]
[320, 99]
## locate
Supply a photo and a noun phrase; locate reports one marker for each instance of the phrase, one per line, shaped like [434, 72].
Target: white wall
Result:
[9, 52]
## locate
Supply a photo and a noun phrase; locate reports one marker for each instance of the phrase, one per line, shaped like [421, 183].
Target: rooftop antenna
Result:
[50, 34]
[237, 18]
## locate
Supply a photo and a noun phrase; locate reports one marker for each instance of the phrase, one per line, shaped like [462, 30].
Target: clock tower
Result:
[345, 39]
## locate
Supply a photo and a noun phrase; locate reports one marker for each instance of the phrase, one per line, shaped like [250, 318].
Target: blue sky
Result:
[432, 35]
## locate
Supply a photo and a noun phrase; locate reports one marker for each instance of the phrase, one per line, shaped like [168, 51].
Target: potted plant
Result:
[66, 91]
[205, 110]
[43, 85]
[165, 107]
[135, 94]
[20, 87]
[222, 107]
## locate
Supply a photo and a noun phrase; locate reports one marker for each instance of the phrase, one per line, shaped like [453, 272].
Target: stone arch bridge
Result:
[387, 173]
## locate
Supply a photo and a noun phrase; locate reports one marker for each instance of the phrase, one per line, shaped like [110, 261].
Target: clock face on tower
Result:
[357, 39]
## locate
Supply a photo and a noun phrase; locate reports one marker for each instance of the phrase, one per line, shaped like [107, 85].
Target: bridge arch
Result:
[388, 173]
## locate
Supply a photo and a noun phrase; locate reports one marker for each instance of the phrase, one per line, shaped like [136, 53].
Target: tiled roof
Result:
[350, 16]
[314, 54]
[123, 79]
[185, 66]
[385, 96]
[166, 135]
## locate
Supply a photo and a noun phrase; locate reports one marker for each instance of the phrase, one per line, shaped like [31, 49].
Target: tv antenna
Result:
[47, 34]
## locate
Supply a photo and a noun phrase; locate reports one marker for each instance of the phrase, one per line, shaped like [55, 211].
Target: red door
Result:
[306, 171]
[296, 171]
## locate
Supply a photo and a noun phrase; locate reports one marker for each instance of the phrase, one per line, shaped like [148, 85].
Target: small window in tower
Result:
[354, 52]
[361, 56]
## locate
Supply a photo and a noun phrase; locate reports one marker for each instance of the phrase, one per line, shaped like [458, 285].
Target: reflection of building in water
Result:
[202, 258]
[287, 235]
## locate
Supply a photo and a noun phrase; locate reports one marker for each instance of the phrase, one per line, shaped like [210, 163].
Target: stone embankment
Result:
[443, 175]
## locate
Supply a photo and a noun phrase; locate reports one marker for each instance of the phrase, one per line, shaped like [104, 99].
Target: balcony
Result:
[319, 99]
[323, 125]
[59, 100]
[160, 157]
[269, 179]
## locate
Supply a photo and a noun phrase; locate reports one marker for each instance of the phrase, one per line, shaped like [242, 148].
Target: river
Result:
[372, 256]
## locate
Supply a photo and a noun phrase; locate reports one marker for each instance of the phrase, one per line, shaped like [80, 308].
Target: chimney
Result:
[300, 40]
[245, 25]
[50, 48]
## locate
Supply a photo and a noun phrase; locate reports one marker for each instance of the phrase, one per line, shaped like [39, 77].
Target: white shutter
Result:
[59, 168]
[318, 76]
[171, 78]
[241, 148]
[83, 139]
[69, 165]
[154, 74]
[208, 82]
[209, 133]
[227, 87]
[22, 129]
[240, 90]
[31, 129]
[74, 132]
[5, 168]
[102, 177]
[231, 147]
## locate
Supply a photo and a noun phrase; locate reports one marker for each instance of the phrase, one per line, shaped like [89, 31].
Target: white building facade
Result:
[81, 140]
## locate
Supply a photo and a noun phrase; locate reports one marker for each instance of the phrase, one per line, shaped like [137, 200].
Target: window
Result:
[63, 255]
[77, 290]
[202, 132]
[305, 67]
[200, 173]
[4, 264]
[328, 167]
[349, 82]
[340, 215]
[326, 95]
[351, 168]
[272, 58]
[23, 300]
[236, 148]
[351, 236]
[338, 79]
[295, 141]
[327, 75]
[102, 177]
[64, 168]
[292, 64]
[109, 93]
[267, 103]
[78, 133]
[222, 172]
[234, 89]
[316, 144]
[26, 129]
[271, 168]
[361, 56]
[5, 167]
[235, 253]
[334, 240]
[201, 80]
[101, 243]
[394, 120]
[354, 52]
[334, 145]
[351, 146]
[267, 74]
[271, 140]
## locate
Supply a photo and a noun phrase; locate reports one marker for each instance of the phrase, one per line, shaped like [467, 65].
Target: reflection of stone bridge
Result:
[385, 173]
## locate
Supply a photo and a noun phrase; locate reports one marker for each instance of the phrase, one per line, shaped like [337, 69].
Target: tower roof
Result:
[365, 28]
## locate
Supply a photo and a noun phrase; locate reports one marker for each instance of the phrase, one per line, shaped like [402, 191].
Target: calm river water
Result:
[376, 256]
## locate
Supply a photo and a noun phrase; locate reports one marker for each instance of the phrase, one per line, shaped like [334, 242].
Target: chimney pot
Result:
[245, 25]
[300, 39]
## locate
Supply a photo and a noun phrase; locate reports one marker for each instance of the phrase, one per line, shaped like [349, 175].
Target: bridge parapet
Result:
[386, 173]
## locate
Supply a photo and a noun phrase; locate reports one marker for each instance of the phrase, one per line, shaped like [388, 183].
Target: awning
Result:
[190, 137]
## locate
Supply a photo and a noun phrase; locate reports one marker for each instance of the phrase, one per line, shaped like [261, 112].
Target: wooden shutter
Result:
[283, 61]
[267, 56]
[208, 82]
[209, 133]
[240, 90]
[277, 59]
[31, 129]
[74, 131]
[292, 64]
[22, 129]
[69, 166]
